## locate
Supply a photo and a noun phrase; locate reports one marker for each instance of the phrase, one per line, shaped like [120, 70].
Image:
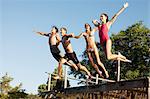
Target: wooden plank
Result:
[102, 79]
[81, 80]
[122, 85]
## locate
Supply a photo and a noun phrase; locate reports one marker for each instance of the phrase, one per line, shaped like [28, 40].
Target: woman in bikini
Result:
[91, 49]
[105, 41]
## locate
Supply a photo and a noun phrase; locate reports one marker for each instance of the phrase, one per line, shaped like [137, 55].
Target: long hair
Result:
[88, 25]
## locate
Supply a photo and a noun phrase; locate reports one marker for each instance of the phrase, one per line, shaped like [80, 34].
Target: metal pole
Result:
[118, 69]
[65, 83]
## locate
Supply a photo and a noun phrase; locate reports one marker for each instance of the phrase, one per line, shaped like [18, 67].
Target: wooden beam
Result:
[102, 79]
[122, 85]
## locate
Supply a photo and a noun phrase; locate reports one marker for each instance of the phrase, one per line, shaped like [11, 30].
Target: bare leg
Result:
[100, 63]
[83, 68]
[111, 56]
[60, 69]
[94, 65]
[71, 65]
[61, 62]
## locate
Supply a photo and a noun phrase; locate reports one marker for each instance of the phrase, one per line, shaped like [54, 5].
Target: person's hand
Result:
[94, 21]
[72, 34]
[126, 5]
[38, 32]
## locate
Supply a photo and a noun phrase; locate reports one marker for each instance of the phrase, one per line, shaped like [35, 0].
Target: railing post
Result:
[49, 83]
[65, 76]
[148, 88]
[96, 79]
[118, 69]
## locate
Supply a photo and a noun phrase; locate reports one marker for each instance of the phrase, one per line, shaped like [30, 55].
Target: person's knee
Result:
[108, 56]
[99, 62]
[76, 68]
[80, 66]
[62, 61]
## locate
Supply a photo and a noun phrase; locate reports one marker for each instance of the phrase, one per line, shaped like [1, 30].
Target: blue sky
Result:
[26, 56]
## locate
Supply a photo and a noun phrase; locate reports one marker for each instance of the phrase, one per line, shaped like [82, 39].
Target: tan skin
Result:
[108, 46]
[55, 40]
[90, 44]
[69, 49]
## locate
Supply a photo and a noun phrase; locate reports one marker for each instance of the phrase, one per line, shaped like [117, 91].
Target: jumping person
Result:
[92, 50]
[70, 54]
[54, 41]
[105, 41]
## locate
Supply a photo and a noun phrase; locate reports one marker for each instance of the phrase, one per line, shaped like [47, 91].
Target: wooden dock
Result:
[130, 89]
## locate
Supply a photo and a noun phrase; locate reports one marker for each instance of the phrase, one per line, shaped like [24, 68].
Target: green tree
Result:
[56, 85]
[42, 89]
[9, 92]
[134, 43]
[5, 84]
[17, 94]
[33, 96]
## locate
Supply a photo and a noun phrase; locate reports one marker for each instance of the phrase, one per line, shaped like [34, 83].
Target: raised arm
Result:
[79, 36]
[96, 23]
[117, 14]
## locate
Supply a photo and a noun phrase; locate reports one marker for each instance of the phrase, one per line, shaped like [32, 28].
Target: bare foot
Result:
[101, 74]
[90, 77]
[124, 60]
[107, 75]
[57, 77]
[129, 61]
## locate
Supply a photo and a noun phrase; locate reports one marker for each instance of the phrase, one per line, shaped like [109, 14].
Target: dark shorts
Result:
[57, 56]
[73, 57]
[55, 52]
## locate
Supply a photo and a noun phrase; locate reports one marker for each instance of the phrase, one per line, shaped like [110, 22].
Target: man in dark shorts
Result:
[54, 41]
[70, 54]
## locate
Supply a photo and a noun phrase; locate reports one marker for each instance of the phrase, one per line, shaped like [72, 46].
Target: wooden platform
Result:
[135, 89]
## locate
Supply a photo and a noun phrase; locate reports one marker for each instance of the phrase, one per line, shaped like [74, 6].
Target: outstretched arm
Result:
[43, 33]
[70, 35]
[79, 36]
[117, 14]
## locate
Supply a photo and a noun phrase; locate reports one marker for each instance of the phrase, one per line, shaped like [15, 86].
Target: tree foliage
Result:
[134, 43]
[55, 85]
[9, 92]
